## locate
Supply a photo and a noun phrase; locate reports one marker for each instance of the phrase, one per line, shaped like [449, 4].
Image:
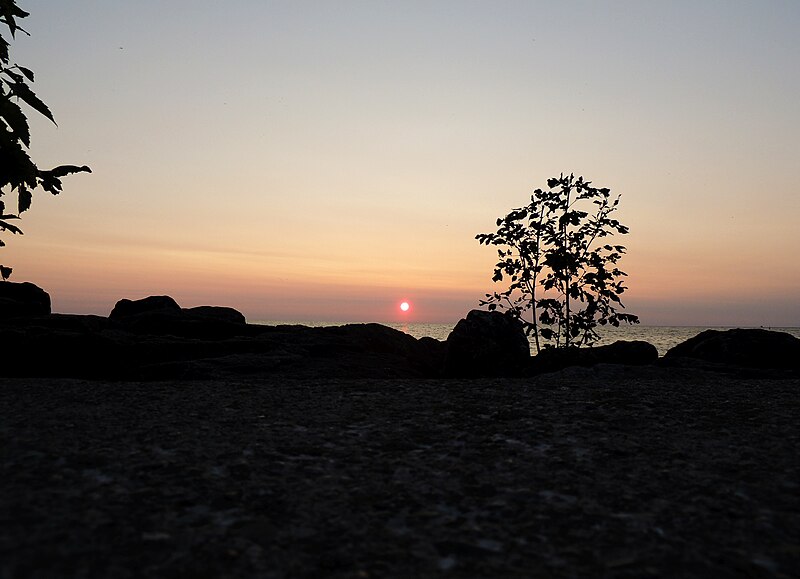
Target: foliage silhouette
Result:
[556, 266]
[18, 173]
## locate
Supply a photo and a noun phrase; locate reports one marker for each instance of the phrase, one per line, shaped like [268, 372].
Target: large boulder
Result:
[216, 313]
[751, 348]
[621, 352]
[368, 350]
[162, 316]
[486, 344]
[23, 299]
[150, 305]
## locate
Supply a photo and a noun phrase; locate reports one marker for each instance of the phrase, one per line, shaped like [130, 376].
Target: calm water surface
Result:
[662, 337]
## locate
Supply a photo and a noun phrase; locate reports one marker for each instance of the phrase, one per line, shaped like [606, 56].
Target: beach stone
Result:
[217, 313]
[126, 308]
[628, 352]
[432, 352]
[162, 316]
[360, 338]
[622, 352]
[153, 315]
[372, 349]
[486, 344]
[23, 299]
[752, 348]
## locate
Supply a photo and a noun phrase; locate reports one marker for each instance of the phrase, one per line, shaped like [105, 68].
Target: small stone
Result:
[156, 536]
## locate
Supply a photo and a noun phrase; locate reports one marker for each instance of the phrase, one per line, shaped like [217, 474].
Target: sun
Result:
[405, 306]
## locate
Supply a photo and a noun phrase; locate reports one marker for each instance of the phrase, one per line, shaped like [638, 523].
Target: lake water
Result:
[662, 337]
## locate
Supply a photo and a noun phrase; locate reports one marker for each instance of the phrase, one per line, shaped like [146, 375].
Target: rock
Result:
[23, 299]
[486, 344]
[218, 313]
[162, 316]
[751, 348]
[62, 346]
[369, 338]
[628, 353]
[371, 350]
[150, 305]
[432, 352]
[349, 351]
[153, 315]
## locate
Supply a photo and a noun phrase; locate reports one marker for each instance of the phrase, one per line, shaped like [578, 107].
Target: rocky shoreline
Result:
[169, 442]
[155, 339]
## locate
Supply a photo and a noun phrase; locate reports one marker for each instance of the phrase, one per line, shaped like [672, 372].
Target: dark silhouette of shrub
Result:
[558, 268]
[18, 173]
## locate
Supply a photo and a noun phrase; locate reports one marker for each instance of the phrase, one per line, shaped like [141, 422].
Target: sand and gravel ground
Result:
[658, 473]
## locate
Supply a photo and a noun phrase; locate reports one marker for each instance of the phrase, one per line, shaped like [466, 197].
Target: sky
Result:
[326, 160]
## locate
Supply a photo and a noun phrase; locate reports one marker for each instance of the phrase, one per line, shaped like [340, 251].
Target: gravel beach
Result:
[608, 472]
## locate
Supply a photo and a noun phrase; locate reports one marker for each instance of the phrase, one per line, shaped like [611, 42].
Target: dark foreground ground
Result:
[604, 473]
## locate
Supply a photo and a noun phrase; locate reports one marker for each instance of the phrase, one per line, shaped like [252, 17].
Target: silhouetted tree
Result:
[18, 173]
[556, 265]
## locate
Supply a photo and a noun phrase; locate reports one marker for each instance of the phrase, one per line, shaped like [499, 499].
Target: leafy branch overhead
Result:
[560, 269]
[18, 173]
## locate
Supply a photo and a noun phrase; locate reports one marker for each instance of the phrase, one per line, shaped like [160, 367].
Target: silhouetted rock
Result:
[629, 353]
[23, 299]
[368, 338]
[162, 344]
[60, 345]
[486, 344]
[350, 351]
[153, 315]
[218, 313]
[751, 348]
[150, 305]
[433, 352]
[370, 350]
[162, 316]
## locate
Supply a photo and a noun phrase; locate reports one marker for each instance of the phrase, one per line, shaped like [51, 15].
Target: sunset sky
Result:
[327, 160]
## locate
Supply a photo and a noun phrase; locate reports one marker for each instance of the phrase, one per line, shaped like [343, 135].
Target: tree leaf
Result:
[5, 272]
[10, 11]
[17, 167]
[3, 50]
[16, 121]
[13, 76]
[23, 200]
[63, 170]
[22, 91]
[5, 225]
[26, 71]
